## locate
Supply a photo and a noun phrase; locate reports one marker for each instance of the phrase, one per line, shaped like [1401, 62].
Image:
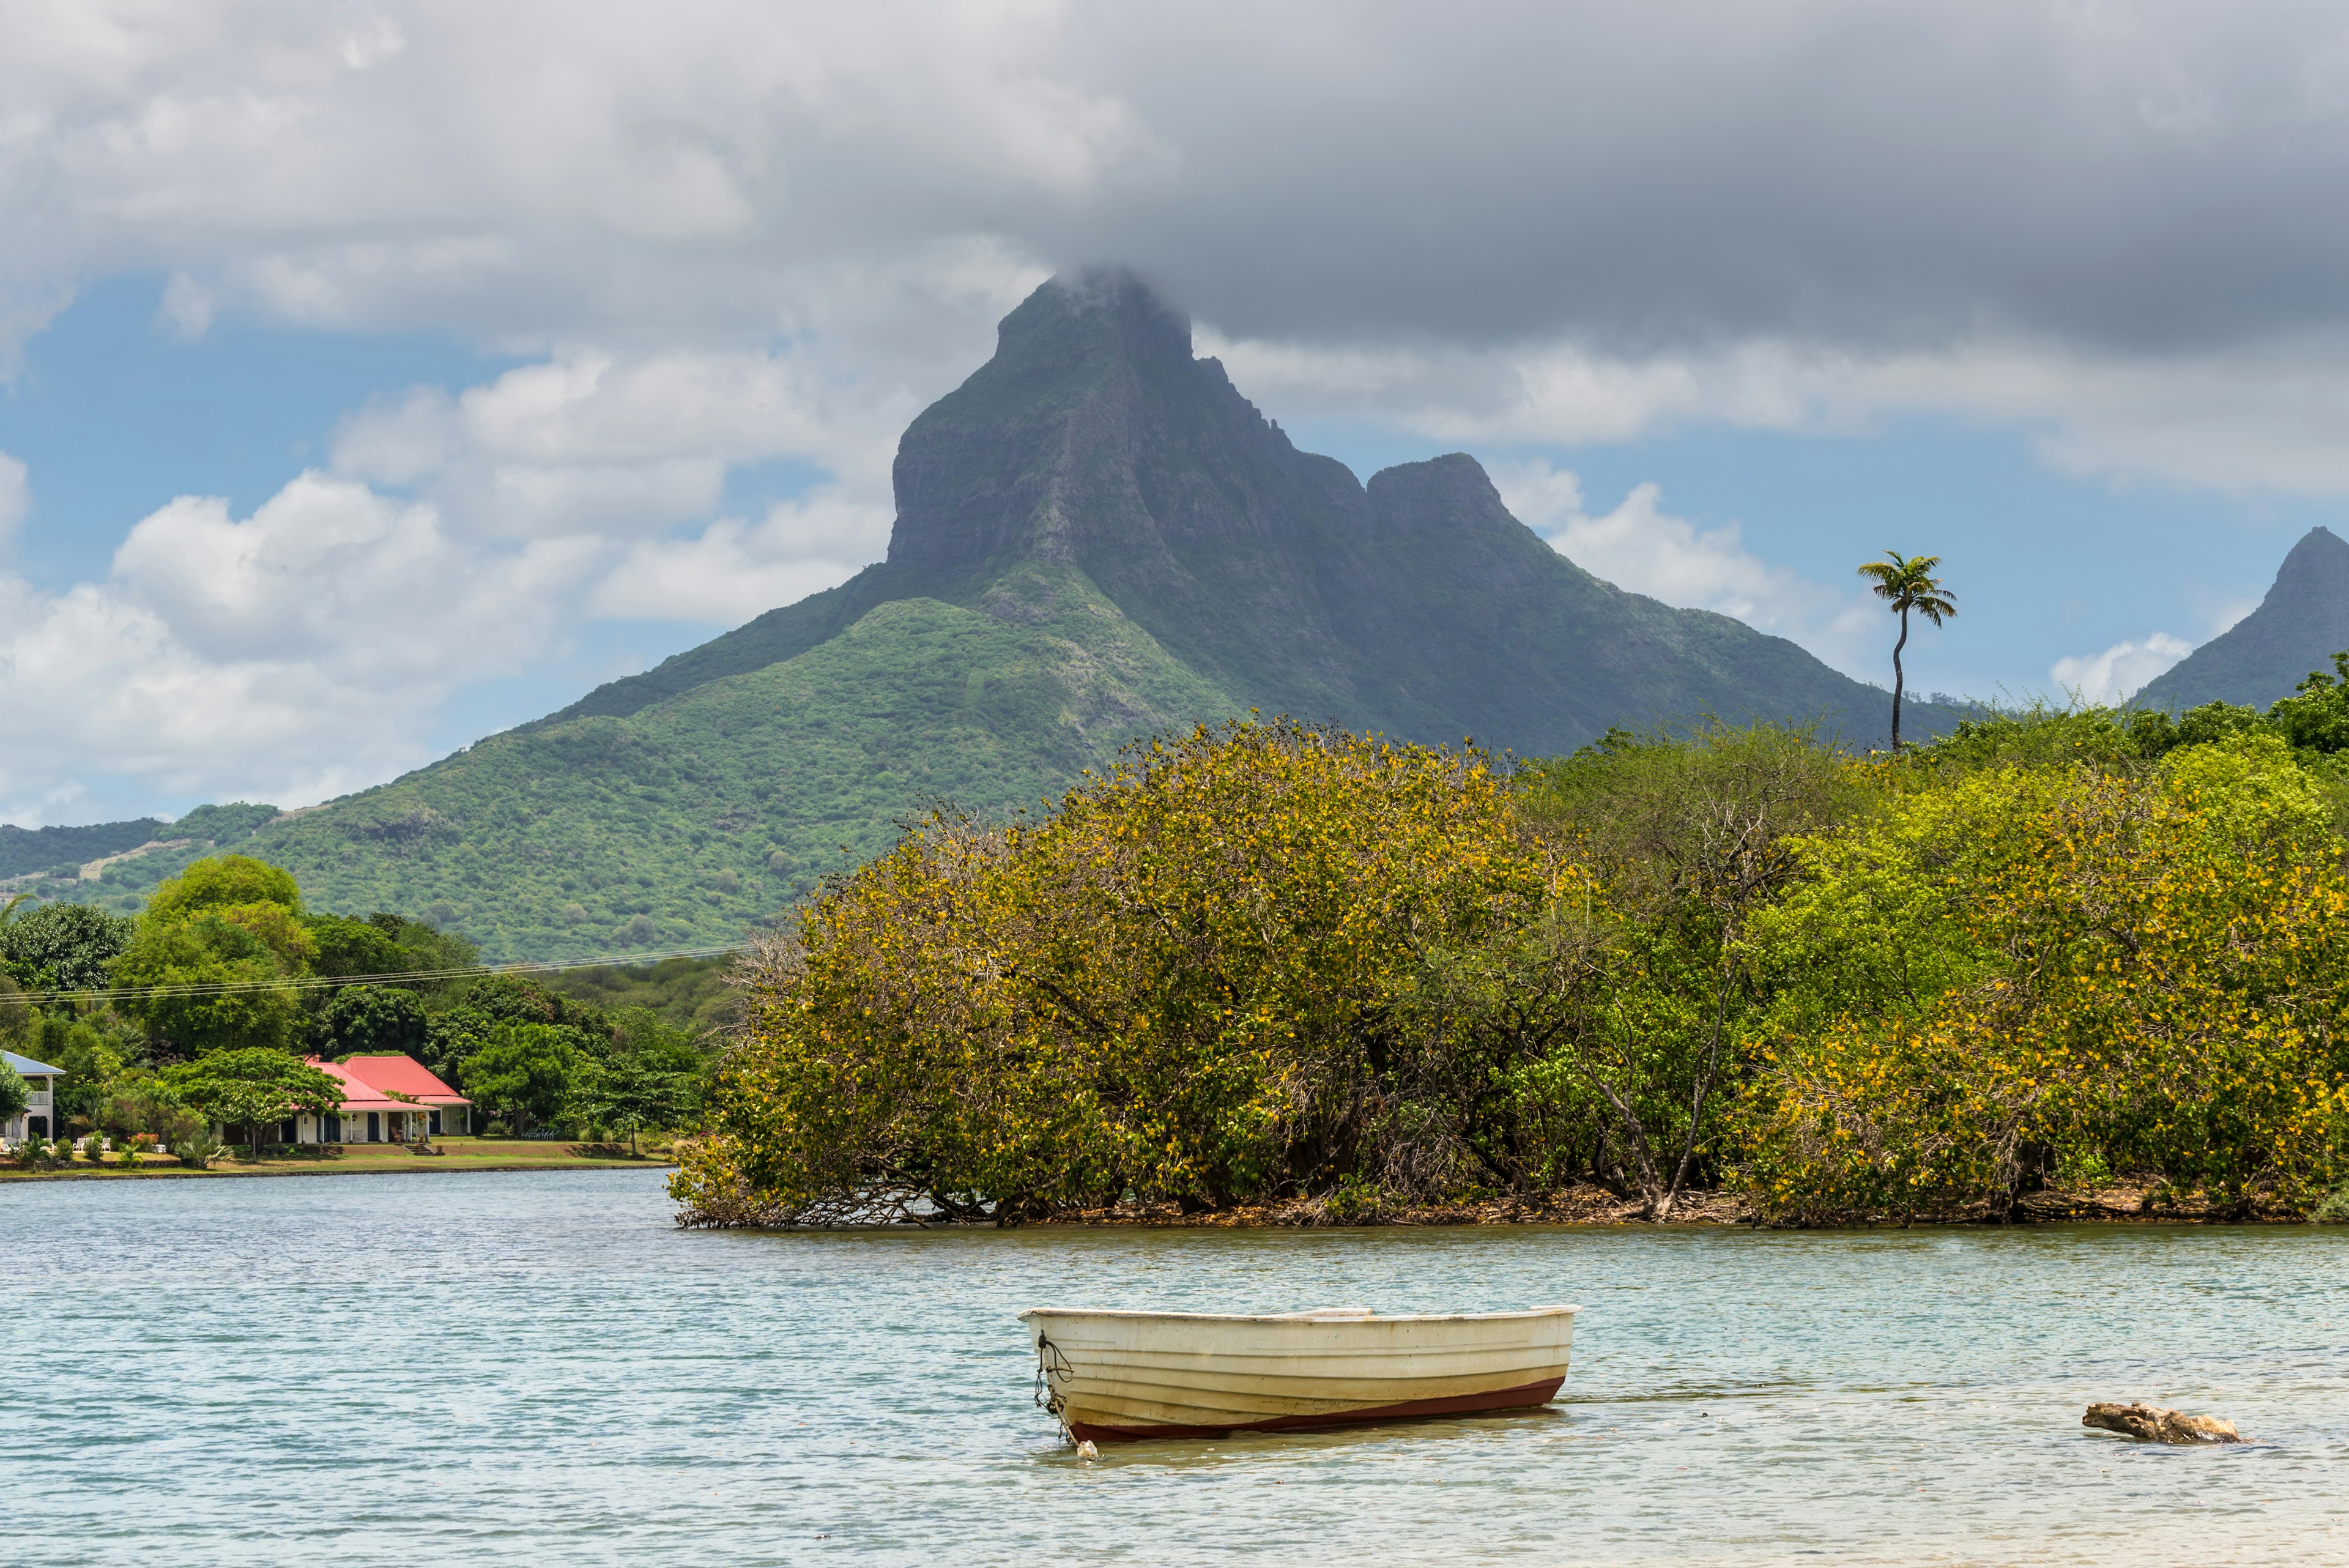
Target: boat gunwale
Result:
[1301, 1320]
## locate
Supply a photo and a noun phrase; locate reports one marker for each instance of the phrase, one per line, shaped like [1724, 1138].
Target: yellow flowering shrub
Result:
[2065, 971]
[1269, 961]
[1186, 982]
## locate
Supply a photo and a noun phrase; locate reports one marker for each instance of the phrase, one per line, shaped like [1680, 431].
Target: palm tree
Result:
[1909, 582]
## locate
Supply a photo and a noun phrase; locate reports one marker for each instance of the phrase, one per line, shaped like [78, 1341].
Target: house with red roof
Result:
[386, 1100]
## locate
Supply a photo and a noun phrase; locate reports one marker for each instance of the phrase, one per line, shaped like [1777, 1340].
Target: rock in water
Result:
[2152, 1424]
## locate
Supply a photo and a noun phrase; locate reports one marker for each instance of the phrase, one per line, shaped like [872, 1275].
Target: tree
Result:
[385, 944]
[1186, 981]
[62, 947]
[342, 946]
[1636, 978]
[524, 1073]
[92, 1056]
[14, 1093]
[2061, 972]
[18, 1021]
[372, 1021]
[2317, 717]
[215, 953]
[223, 881]
[1909, 583]
[230, 925]
[142, 1105]
[632, 1094]
[253, 1088]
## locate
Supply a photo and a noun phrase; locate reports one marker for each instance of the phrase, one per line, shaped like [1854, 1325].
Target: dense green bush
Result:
[1271, 963]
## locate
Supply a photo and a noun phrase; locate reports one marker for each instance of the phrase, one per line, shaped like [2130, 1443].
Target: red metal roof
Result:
[366, 1078]
[357, 1097]
[406, 1074]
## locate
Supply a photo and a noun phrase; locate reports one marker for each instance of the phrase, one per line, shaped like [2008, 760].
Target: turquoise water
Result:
[539, 1369]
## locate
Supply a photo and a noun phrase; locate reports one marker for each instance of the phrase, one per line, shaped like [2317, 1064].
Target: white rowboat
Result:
[1117, 1376]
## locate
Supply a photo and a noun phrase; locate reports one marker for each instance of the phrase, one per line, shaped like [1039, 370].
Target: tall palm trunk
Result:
[1897, 676]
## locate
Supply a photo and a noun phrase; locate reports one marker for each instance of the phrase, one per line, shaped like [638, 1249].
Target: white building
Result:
[386, 1100]
[39, 1118]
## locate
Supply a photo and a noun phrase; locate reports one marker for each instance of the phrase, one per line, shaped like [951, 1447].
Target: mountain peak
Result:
[2301, 624]
[1047, 451]
[2321, 556]
[1111, 306]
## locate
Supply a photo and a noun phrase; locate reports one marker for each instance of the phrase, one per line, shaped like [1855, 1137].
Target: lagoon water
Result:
[540, 1369]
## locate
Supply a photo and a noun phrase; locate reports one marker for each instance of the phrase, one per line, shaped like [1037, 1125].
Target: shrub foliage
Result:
[1270, 962]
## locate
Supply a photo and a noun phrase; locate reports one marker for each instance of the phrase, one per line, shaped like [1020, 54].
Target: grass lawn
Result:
[456, 1154]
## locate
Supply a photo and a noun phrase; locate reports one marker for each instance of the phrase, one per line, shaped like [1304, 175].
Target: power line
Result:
[400, 977]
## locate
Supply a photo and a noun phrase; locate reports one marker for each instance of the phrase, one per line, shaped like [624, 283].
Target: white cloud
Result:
[621, 445]
[733, 570]
[2253, 419]
[1641, 547]
[293, 654]
[186, 310]
[16, 499]
[307, 648]
[2119, 670]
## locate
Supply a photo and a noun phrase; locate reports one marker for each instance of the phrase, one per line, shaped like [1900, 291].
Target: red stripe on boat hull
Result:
[1518, 1398]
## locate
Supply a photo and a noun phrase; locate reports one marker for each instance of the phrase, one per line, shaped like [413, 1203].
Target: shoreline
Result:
[454, 1154]
[417, 1169]
[2120, 1204]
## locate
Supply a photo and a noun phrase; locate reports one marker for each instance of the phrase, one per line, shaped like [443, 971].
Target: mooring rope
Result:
[1052, 1369]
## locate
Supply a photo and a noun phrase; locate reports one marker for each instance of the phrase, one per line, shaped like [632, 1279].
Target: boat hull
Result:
[1123, 1377]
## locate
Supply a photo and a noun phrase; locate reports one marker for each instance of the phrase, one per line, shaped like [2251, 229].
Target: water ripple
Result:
[540, 1369]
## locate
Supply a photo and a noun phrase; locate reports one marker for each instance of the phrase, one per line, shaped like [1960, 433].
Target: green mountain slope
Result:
[691, 820]
[2297, 627]
[1097, 537]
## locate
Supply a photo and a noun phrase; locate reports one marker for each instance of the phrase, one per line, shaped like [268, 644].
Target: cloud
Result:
[622, 445]
[734, 570]
[307, 648]
[2122, 226]
[16, 499]
[294, 653]
[2116, 175]
[2267, 418]
[185, 312]
[636, 452]
[2119, 670]
[1641, 547]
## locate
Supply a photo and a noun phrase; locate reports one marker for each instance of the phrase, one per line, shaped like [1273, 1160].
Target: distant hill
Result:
[1097, 537]
[130, 858]
[24, 850]
[2297, 627]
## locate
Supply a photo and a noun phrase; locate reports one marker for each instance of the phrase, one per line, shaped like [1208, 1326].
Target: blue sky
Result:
[374, 378]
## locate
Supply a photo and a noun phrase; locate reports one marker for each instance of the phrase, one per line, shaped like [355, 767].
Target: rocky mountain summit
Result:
[1097, 537]
[1096, 442]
